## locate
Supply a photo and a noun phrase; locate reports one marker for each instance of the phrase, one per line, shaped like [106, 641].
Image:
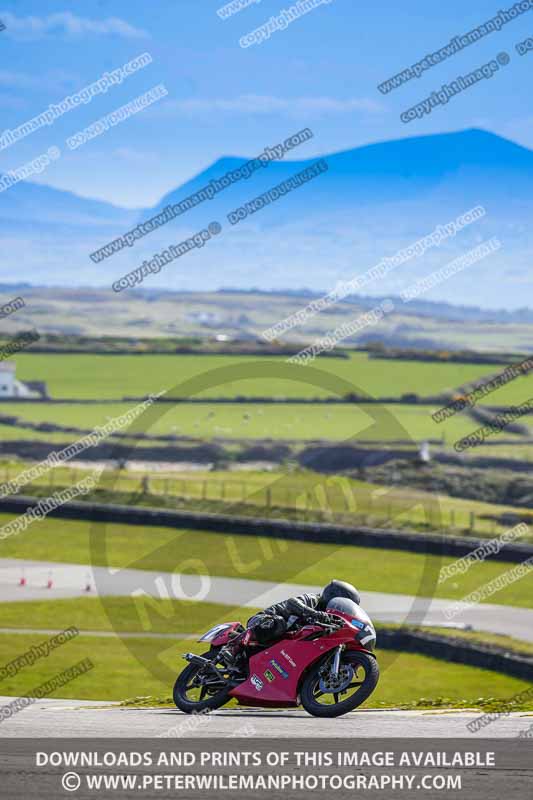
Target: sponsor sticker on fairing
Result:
[257, 682]
[268, 675]
[277, 666]
[289, 659]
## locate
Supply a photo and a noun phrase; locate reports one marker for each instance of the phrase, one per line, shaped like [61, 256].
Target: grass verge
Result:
[180, 616]
[257, 558]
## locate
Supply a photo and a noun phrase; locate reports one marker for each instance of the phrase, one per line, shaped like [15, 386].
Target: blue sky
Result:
[322, 71]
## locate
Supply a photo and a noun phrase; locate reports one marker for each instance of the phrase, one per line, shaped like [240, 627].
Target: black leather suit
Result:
[274, 621]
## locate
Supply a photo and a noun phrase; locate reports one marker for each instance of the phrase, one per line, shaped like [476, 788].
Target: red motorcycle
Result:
[329, 669]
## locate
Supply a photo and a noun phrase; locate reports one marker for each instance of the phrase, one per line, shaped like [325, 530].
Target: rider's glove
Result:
[321, 616]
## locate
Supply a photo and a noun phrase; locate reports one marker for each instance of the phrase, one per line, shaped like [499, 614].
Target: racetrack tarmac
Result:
[70, 580]
[84, 718]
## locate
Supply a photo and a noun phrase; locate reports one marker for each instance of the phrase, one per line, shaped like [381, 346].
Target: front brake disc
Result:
[336, 683]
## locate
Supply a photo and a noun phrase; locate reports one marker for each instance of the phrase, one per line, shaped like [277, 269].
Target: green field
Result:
[118, 674]
[482, 637]
[108, 377]
[9, 433]
[118, 614]
[326, 497]
[255, 421]
[256, 558]
[520, 452]
[123, 671]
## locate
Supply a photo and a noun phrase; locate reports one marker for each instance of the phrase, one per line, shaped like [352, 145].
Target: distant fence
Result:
[337, 499]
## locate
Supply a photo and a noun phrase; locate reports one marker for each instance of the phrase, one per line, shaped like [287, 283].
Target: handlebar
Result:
[335, 626]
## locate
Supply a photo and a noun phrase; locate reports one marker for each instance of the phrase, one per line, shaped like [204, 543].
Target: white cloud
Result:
[66, 23]
[268, 104]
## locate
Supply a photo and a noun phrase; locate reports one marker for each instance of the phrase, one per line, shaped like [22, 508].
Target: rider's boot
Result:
[232, 655]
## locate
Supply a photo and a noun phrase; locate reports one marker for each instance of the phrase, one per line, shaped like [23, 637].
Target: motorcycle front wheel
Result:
[323, 697]
[195, 692]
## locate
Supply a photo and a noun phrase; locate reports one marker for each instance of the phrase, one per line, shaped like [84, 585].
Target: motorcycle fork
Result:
[337, 660]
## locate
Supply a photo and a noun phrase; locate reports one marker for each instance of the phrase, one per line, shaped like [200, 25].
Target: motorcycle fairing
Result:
[275, 672]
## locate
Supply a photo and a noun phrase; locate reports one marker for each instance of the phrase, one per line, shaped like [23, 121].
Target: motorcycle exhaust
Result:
[194, 659]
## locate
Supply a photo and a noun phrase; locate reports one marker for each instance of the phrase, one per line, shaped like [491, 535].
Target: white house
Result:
[10, 386]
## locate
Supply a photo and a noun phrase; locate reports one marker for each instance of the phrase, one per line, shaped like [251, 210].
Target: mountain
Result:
[47, 233]
[371, 202]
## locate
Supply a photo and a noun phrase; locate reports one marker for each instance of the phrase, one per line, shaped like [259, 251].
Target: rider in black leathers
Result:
[275, 620]
[272, 623]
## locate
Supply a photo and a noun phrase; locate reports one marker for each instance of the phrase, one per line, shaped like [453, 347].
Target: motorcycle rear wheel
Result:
[207, 700]
[310, 691]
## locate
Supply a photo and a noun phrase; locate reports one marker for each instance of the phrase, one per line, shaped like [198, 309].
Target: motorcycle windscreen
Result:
[344, 605]
[215, 631]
